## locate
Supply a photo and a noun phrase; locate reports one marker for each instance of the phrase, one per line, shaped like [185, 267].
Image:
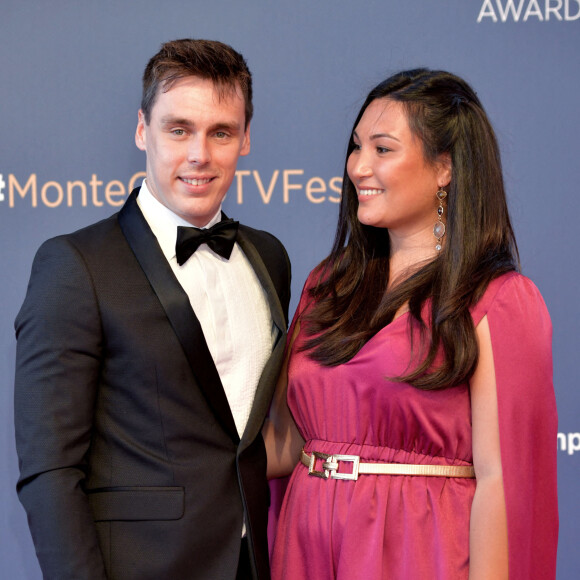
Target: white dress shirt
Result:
[229, 302]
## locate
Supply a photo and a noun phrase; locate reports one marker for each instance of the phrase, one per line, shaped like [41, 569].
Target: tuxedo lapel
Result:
[269, 375]
[259, 267]
[178, 309]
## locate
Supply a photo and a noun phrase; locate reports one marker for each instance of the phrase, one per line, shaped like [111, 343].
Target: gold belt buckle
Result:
[313, 457]
[331, 465]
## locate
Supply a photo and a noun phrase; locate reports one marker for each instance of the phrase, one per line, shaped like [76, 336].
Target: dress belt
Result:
[330, 467]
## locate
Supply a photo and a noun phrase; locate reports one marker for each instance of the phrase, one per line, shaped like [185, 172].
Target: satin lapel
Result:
[178, 309]
[269, 375]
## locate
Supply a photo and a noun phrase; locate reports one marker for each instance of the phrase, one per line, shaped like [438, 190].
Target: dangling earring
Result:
[439, 227]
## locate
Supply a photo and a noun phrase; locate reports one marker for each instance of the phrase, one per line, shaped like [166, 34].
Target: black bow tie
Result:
[220, 238]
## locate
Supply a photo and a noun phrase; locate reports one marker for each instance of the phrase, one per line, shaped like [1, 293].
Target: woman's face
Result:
[395, 185]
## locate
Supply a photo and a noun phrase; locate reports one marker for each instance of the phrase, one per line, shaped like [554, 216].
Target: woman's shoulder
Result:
[312, 280]
[511, 292]
[317, 275]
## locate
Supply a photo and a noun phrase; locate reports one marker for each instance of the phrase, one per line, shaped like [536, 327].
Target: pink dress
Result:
[414, 527]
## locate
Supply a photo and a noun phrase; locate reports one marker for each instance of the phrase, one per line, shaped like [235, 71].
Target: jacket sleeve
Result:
[521, 334]
[57, 368]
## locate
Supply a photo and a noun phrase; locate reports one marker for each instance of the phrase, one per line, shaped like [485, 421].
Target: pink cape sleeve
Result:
[521, 336]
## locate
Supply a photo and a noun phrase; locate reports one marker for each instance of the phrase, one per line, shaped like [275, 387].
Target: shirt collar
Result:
[163, 222]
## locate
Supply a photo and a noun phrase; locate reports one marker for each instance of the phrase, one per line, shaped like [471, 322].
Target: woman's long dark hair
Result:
[351, 300]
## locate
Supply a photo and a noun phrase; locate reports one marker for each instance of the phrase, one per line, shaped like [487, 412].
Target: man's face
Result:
[193, 142]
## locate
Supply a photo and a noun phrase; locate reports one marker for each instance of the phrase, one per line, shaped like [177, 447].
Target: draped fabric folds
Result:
[412, 527]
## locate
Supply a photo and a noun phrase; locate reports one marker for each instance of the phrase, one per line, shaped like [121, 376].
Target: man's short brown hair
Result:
[206, 59]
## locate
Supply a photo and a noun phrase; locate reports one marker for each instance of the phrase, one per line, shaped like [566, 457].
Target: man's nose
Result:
[198, 152]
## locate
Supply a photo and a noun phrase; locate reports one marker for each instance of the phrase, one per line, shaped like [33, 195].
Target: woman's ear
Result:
[444, 169]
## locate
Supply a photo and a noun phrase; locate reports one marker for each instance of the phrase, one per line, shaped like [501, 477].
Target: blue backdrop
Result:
[70, 88]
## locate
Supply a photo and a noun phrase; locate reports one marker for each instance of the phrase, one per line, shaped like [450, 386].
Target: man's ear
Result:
[140, 132]
[246, 142]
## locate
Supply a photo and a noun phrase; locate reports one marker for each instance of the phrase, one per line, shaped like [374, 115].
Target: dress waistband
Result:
[330, 467]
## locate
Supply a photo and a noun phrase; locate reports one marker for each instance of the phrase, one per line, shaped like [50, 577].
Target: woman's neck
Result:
[409, 253]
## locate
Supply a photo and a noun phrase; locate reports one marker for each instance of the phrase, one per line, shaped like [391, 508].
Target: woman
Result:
[420, 369]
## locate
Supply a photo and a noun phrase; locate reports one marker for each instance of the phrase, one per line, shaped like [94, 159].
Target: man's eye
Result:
[178, 132]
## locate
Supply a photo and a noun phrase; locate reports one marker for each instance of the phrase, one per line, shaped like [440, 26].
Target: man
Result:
[143, 373]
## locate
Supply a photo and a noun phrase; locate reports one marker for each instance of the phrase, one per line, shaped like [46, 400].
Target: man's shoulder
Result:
[99, 231]
[261, 237]
[92, 235]
[268, 246]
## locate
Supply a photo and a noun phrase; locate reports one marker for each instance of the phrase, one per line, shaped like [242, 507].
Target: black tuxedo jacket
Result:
[131, 466]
